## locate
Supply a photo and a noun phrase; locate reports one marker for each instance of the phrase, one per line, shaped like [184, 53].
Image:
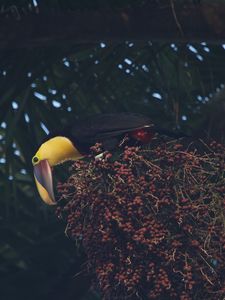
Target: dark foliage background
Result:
[180, 86]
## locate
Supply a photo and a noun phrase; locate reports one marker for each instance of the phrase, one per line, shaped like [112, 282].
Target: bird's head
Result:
[54, 151]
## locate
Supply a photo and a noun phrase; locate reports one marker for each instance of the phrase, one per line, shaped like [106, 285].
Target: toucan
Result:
[75, 141]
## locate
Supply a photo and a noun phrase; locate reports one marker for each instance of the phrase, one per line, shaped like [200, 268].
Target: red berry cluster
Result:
[151, 220]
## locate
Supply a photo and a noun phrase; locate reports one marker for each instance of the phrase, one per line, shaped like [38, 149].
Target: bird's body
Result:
[107, 129]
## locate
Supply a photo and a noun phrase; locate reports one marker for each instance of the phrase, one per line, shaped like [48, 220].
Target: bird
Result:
[75, 141]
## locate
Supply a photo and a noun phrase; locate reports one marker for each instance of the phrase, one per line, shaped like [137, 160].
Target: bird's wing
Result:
[108, 125]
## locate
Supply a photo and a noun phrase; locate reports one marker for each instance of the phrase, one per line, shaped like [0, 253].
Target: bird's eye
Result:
[35, 160]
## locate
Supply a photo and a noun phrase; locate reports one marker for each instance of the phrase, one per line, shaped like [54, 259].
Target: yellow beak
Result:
[44, 183]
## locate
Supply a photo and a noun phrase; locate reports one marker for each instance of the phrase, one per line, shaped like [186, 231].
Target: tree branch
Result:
[170, 23]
